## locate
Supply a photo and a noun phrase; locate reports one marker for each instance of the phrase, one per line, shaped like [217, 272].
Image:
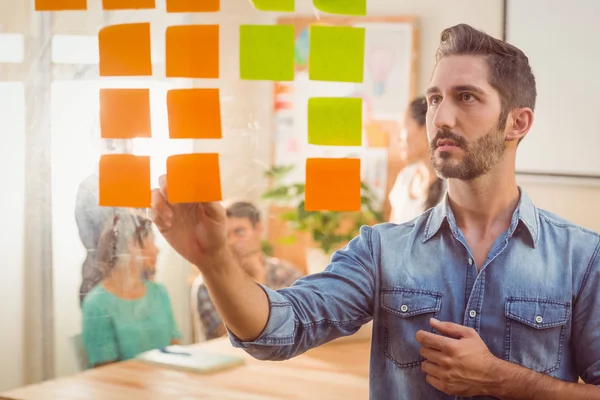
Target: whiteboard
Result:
[561, 40]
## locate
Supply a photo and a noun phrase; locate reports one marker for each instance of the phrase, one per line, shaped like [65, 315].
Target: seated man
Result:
[244, 233]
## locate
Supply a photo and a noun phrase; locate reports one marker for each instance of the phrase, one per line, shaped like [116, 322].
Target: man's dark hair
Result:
[418, 110]
[509, 70]
[244, 209]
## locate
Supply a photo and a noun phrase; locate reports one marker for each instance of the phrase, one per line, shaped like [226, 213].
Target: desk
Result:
[338, 370]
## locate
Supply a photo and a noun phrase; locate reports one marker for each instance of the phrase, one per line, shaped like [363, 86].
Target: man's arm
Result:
[518, 383]
[316, 309]
[241, 303]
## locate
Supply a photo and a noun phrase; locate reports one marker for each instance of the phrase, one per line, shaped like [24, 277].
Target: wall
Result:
[12, 289]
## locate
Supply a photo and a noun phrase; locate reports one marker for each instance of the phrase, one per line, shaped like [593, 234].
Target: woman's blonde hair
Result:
[114, 241]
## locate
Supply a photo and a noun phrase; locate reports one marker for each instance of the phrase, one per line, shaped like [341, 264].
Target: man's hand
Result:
[458, 363]
[196, 231]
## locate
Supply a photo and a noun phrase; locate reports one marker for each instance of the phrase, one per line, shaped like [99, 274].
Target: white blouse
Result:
[409, 193]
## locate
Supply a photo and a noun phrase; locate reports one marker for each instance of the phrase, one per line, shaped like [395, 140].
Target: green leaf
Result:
[287, 240]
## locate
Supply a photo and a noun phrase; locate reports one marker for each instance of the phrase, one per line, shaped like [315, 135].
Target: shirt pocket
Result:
[407, 311]
[535, 332]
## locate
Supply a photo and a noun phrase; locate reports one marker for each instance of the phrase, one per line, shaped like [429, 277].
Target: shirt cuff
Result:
[281, 325]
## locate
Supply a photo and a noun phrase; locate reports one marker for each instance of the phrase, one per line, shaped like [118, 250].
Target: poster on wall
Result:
[386, 90]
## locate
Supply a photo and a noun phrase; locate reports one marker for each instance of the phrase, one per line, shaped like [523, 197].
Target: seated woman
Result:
[417, 187]
[125, 314]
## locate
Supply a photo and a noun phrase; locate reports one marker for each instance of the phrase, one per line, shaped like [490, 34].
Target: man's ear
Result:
[519, 123]
[258, 227]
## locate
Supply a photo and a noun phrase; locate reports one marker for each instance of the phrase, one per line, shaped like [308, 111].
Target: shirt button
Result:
[404, 308]
[538, 319]
[472, 313]
[470, 261]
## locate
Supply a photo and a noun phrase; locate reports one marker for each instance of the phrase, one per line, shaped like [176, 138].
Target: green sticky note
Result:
[348, 7]
[274, 5]
[267, 52]
[335, 121]
[336, 53]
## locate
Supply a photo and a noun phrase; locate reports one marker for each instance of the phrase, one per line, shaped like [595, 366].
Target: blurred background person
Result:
[125, 314]
[92, 218]
[417, 187]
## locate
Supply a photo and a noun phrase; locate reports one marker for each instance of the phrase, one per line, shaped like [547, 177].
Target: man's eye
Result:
[467, 97]
[433, 100]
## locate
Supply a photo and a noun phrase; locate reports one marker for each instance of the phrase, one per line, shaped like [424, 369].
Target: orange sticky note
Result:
[125, 181]
[194, 114]
[193, 5]
[128, 4]
[60, 5]
[125, 50]
[193, 178]
[332, 184]
[192, 51]
[125, 113]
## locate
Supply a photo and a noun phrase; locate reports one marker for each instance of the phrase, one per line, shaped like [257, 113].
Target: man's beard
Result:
[480, 156]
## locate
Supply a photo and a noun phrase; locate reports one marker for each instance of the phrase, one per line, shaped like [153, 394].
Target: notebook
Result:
[192, 360]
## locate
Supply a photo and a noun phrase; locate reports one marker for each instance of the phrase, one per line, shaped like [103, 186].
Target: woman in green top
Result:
[125, 315]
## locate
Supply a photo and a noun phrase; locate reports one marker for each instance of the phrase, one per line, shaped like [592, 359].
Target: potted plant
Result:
[329, 230]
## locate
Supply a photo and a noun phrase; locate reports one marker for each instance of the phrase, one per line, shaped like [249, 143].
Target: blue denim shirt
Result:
[536, 301]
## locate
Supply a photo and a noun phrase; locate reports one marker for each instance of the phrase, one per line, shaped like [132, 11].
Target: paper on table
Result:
[124, 181]
[128, 4]
[60, 5]
[195, 360]
[335, 121]
[336, 53]
[192, 51]
[125, 113]
[348, 7]
[194, 178]
[186, 6]
[267, 52]
[332, 184]
[274, 5]
[194, 114]
[125, 50]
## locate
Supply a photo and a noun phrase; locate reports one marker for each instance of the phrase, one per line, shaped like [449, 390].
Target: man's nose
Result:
[444, 116]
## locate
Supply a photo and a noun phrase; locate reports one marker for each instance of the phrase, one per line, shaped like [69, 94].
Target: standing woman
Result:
[125, 314]
[417, 187]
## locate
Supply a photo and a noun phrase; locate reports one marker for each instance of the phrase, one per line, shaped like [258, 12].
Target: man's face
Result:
[464, 122]
[242, 236]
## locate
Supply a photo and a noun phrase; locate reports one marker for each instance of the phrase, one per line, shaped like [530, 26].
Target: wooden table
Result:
[338, 370]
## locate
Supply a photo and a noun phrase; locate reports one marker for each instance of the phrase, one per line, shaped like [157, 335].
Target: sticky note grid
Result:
[336, 54]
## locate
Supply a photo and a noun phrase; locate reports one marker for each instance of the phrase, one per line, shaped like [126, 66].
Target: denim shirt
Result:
[535, 302]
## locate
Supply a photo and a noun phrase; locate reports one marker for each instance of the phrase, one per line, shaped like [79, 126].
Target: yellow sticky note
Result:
[334, 121]
[125, 113]
[336, 53]
[125, 50]
[192, 51]
[347, 7]
[128, 4]
[267, 52]
[194, 114]
[274, 5]
[60, 5]
[332, 184]
[125, 181]
[194, 178]
[187, 6]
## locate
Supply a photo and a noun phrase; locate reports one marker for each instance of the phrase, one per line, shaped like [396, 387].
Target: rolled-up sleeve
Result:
[320, 307]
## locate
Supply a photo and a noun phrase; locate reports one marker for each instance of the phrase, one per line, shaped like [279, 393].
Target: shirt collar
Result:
[526, 213]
